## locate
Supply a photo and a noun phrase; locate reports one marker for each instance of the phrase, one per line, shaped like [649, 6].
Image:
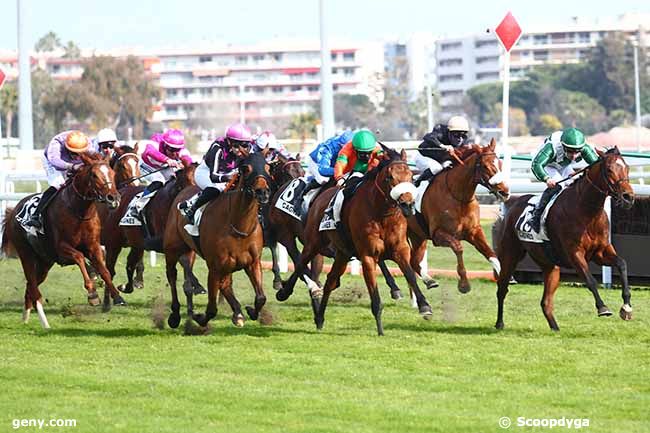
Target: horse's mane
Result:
[392, 154]
[127, 149]
[94, 156]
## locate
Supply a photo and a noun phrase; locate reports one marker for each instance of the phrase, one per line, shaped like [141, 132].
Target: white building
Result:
[418, 51]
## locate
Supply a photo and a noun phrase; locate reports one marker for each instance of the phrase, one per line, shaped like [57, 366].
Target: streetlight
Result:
[326, 97]
[637, 96]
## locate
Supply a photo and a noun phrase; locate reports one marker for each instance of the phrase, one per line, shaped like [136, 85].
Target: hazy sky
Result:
[156, 23]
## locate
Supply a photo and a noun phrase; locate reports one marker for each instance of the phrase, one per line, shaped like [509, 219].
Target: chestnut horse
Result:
[374, 221]
[115, 237]
[230, 239]
[126, 165]
[72, 229]
[283, 171]
[577, 228]
[450, 212]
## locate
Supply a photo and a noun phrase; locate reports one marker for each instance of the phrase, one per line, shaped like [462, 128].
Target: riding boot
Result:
[547, 195]
[206, 195]
[153, 186]
[301, 192]
[426, 175]
[36, 220]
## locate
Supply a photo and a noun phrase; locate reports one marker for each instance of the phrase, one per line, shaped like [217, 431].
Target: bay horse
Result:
[578, 229]
[451, 213]
[126, 165]
[72, 229]
[230, 239]
[282, 171]
[374, 221]
[115, 237]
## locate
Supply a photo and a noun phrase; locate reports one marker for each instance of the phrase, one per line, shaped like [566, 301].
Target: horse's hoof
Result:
[426, 312]
[174, 320]
[252, 313]
[119, 301]
[499, 325]
[625, 312]
[106, 307]
[282, 295]
[277, 285]
[431, 284]
[199, 290]
[238, 320]
[464, 288]
[319, 321]
[93, 300]
[138, 285]
[396, 295]
[201, 319]
[125, 288]
[315, 305]
[604, 311]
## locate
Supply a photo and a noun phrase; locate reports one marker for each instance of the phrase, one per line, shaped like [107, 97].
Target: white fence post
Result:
[355, 267]
[152, 258]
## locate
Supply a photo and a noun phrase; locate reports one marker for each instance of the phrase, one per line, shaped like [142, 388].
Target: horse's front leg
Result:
[476, 237]
[97, 259]
[216, 280]
[254, 272]
[277, 277]
[368, 265]
[579, 262]
[67, 251]
[445, 239]
[402, 257]
[610, 258]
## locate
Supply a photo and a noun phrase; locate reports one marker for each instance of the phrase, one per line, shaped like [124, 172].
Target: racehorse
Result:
[577, 228]
[450, 212]
[230, 239]
[115, 237]
[72, 229]
[374, 225]
[126, 165]
[283, 171]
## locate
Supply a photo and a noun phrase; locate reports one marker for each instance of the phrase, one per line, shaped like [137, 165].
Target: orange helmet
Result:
[77, 142]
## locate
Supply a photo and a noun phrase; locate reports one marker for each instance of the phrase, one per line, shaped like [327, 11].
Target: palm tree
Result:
[48, 42]
[302, 126]
[9, 104]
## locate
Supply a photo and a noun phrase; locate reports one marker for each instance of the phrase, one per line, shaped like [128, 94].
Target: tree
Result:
[9, 105]
[302, 126]
[48, 42]
[71, 51]
[354, 111]
[579, 110]
[42, 86]
[546, 123]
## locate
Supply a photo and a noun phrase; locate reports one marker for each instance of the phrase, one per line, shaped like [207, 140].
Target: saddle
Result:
[38, 239]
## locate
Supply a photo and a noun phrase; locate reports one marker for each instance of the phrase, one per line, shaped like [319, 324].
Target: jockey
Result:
[218, 167]
[61, 157]
[432, 155]
[270, 147]
[162, 155]
[320, 164]
[105, 141]
[561, 151]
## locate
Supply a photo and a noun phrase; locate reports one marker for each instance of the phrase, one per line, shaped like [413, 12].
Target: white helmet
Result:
[106, 135]
[266, 139]
[458, 123]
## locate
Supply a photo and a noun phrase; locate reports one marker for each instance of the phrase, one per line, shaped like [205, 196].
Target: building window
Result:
[333, 57]
[172, 110]
[277, 57]
[335, 87]
[259, 90]
[541, 55]
[171, 92]
[205, 59]
[348, 71]
[485, 43]
[312, 74]
[451, 77]
[487, 76]
[296, 88]
[258, 57]
[312, 88]
[450, 46]
[487, 59]
[206, 79]
[584, 37]
[450, 93]
[451, 62]
[278, 89]
[240, 60]
[540, 39]
[348, 56]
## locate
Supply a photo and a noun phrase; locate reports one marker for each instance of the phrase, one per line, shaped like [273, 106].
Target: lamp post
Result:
[637, 96]
[326, 97]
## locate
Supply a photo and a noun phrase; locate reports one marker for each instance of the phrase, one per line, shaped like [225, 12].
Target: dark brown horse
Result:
[230, 239]
[577, 228]
[116, 237]
[72, 229]
[283, 171]
[374, 221]
[450, 211]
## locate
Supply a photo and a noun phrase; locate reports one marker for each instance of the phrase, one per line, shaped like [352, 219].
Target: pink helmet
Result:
[174, 138]
[239, 131]
[157, 137]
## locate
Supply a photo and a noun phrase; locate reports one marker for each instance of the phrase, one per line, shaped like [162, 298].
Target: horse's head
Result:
[395, 178]
[96, 181]
[126, 165]
[254, 177]
[614, 177]
[285, 169]
[487, 171]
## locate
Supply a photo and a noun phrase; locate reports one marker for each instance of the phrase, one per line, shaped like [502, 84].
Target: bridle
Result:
[94, 195]
[388, 198]
[612, 189]
[477, 178]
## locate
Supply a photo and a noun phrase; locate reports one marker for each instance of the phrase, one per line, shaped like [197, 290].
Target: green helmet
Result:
[364, 141]
[573, 138]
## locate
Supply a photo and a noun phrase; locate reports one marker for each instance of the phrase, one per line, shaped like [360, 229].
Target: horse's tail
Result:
[7, 247]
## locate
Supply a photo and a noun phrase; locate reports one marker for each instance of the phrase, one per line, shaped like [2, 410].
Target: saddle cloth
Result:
[193, 229]
[25, 213]
[133, 214]
[286, 199]
[524, 231]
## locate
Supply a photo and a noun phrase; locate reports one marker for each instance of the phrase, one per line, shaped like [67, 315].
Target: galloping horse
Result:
[126, 165]
[450, 211]
[72, 229]
[230, 239]
[283, 171]
[577, 228]
[115, 237]
[374, 220]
